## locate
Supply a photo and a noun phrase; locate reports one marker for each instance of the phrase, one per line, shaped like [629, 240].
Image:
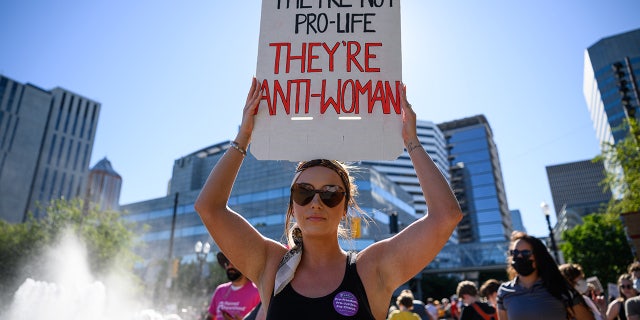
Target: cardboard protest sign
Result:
[331, 77]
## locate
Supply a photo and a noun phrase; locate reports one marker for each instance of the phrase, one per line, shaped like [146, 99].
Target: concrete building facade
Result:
[576, 186]
[46, 139]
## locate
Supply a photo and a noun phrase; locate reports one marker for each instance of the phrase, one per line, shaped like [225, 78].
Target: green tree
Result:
[599, 245]
[108, 239]
[624, 155]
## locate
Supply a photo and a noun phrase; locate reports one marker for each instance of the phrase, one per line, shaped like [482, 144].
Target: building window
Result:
[93, 118]
[84, 119]
[70, 188]
[12, 95]
[75, 118]
[67, 161]
[62, 185]
[62, 141]
[52, 185]
[75, 160]
[64, 97]
[13, 134]
[3, 86]
[51, 147]
[85, 158]
[66, 122]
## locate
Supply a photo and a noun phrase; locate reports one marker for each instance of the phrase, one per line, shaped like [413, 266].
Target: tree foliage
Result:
[108, 239]
[623, 175]
[599, 245]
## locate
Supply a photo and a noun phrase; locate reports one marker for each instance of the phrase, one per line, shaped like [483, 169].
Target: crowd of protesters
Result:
[538, 288]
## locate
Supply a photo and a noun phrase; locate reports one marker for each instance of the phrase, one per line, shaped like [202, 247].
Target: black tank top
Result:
[622, 314]
[348, 301]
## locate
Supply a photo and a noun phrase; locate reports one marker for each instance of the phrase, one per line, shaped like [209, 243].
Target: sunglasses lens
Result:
[525, 253]
[626, 286]
[331, 198]
[302, 196]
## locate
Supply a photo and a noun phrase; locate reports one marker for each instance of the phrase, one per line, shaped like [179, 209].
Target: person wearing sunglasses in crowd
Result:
[615, 310]
[632, 305]
[313, 278]
[537, 289]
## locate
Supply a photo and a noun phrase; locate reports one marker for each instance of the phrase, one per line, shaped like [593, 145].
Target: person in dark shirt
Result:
[474, 309]
[537, 289]
[489, 291]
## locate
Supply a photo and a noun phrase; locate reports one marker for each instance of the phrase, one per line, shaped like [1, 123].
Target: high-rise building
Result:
[476, 178]
[516, 221]
[401, 170]
[611, 89]
[576, 186]
[103, 188]
[46, 138]
[611, 84]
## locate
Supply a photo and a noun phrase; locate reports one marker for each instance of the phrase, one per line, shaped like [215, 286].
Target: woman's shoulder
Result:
[616, 302]
[507, 286]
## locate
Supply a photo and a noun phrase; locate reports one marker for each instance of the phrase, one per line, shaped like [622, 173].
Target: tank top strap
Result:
[352, 280]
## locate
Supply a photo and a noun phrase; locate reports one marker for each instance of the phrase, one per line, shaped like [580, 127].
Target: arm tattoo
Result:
[412, 146]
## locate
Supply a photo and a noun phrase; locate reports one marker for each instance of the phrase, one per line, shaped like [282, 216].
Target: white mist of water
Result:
[74, 294]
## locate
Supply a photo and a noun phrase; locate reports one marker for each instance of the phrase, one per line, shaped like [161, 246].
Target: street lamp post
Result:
[202, 251]
[554, 248]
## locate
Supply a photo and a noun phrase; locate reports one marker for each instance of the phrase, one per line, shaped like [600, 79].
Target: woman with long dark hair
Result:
[537, 289]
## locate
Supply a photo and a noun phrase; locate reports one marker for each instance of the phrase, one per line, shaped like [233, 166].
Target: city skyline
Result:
[172, 78]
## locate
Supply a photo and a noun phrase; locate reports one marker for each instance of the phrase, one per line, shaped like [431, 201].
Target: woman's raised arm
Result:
[423, 239]
[245, 247]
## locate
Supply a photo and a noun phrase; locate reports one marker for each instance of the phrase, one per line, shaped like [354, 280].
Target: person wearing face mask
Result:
[234, 299]
[537, 289]
[574, 274]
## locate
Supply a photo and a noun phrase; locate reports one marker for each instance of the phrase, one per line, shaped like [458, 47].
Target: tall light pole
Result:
[202, 250]
[547, 213]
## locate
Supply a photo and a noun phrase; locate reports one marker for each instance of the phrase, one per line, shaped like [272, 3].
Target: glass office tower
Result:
[401, 170]
[476, 178]
[610, 86]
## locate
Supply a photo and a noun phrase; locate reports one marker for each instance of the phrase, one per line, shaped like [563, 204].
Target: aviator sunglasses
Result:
[302, 194]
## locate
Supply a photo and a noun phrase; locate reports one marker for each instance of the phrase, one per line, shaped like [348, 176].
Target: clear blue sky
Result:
[172, 76]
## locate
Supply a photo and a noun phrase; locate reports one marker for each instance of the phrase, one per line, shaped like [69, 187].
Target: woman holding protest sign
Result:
[314, 278]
